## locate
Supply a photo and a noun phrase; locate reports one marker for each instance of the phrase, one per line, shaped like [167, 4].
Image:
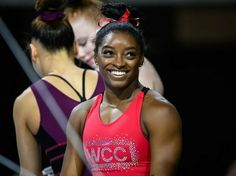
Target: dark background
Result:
[193, 47]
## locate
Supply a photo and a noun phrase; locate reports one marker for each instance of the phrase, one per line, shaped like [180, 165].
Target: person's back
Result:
[42, 110]
[51, 133]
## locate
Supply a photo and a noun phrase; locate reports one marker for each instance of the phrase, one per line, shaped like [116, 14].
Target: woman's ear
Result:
[95, 58]
[141, 61]
[33, 51]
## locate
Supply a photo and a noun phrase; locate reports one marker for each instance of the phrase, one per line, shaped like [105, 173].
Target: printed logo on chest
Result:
[111, 154]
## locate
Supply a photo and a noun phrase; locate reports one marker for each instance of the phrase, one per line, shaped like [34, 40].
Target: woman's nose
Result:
[81, 52]
[119, 61]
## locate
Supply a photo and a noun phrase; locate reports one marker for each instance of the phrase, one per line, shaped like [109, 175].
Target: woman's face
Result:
[119, 58]
[85, 32]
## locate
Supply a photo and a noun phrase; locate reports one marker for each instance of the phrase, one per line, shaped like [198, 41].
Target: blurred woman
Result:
[42, 110]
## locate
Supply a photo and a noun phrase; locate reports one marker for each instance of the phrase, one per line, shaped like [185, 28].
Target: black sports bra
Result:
[82, 97]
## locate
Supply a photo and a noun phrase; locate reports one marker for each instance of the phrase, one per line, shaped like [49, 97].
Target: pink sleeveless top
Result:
[118, 148]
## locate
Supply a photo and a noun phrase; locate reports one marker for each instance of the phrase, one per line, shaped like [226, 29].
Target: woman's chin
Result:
[92, 64]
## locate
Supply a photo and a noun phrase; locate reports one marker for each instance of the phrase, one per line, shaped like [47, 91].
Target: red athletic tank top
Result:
[118, 148]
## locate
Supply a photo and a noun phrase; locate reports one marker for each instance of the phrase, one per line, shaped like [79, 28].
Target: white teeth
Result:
[118, 73]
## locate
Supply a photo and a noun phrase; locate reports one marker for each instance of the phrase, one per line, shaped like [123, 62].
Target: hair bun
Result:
[50, 5]
[51, 15]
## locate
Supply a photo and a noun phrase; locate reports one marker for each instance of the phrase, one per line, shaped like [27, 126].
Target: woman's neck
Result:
[60, 65]
[124, 95]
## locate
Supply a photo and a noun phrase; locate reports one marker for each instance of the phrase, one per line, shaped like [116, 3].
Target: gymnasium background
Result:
[192, 45]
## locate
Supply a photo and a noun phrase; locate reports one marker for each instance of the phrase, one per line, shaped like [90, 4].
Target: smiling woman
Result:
[126, 56]
[128, 129]
[86, 18]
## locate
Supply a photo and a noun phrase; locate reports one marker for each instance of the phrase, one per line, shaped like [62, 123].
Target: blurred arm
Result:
[73, 163]
[25, 127]
[149, 77]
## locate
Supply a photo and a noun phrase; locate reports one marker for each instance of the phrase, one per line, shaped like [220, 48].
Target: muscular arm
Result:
[28, 149]
[164, 130]
[149, 77]
[74, 159]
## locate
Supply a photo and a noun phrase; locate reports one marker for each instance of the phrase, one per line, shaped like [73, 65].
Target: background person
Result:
[53, 49]
[84, 16]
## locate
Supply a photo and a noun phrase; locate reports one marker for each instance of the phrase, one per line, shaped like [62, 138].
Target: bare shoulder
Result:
[79, 114]
[92, 73]
[91, 82]
[154, 80]
[158, 110]
[82, 109]
[25, 111]
[148, 68]
[154, 99]
[23, 103]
